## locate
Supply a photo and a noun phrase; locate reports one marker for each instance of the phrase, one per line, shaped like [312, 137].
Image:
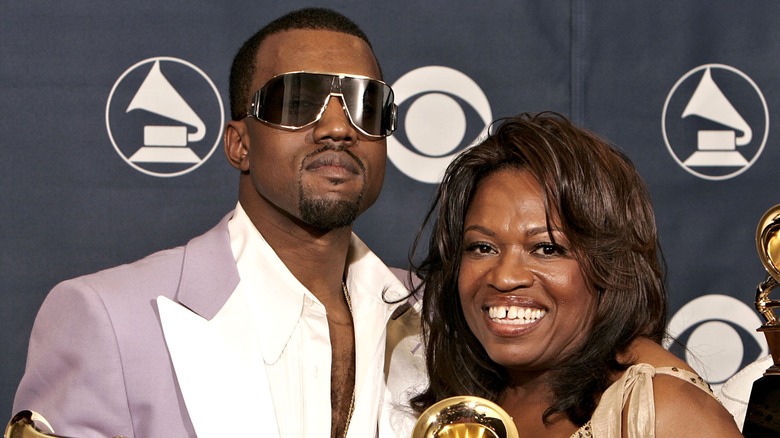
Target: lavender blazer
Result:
[98, 362]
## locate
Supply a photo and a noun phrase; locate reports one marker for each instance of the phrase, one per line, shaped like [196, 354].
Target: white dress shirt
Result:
[294, 333]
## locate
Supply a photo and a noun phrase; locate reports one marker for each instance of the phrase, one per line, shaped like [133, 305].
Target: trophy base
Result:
[762, 419]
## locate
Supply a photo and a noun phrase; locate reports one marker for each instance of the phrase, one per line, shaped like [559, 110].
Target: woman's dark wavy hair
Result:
[605, 211]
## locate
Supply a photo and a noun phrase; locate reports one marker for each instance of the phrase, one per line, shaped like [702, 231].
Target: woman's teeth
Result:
[515, 314]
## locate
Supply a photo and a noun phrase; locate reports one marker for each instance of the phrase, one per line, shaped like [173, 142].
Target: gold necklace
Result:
[346, 296]
[352, 401]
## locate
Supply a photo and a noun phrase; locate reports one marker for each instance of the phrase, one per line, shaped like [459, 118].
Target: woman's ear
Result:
[237, 144]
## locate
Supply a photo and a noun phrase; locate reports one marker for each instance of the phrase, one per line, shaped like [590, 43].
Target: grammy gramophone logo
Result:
[715, 122]
[164, 116]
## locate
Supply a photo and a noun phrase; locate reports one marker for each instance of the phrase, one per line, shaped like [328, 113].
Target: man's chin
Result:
[329, 214]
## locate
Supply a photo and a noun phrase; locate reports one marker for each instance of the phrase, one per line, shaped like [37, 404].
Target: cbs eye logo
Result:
[164, 117]
[437, 126]
[717, 335]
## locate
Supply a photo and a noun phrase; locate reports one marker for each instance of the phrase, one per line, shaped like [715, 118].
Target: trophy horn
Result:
[26, 424]
[465, 417]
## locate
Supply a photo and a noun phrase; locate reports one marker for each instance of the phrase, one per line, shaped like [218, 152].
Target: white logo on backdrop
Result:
[719, 333]
[715, 122]
[435, 123]
[151, 121]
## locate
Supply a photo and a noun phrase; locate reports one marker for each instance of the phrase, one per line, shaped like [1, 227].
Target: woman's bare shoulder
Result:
[682, 408]
[644, 350]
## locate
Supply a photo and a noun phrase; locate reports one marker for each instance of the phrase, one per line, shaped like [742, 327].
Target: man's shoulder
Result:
[123, 286]
[156, 265]
[154, 274]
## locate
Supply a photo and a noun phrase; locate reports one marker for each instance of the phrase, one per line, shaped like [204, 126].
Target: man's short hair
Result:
[243, 68]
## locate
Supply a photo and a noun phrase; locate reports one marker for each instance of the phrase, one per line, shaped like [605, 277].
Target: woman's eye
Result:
[480, 248]
[549, 249]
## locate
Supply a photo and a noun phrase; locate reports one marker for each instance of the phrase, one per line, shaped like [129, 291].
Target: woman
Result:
[545, 294]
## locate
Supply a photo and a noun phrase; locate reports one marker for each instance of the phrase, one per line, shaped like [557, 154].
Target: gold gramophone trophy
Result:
[465, 417]
[30, 424]
[763, 413]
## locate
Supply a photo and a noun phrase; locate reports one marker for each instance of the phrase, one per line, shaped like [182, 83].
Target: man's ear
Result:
[237, 144]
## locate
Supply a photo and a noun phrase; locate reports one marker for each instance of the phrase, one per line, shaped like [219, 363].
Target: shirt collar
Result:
[267, 278]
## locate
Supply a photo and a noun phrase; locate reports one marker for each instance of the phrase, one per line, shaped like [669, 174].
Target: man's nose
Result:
[334, 124]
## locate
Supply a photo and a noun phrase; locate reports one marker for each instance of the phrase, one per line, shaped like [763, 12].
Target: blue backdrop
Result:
[112, 116]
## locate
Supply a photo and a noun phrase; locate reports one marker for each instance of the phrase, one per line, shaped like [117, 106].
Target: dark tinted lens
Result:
[294, 99]
[368, 103]
[269, 105]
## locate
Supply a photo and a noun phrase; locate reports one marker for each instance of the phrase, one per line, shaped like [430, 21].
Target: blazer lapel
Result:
[213, 343]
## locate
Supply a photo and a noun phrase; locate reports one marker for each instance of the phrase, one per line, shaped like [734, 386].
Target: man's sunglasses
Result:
[297, 100]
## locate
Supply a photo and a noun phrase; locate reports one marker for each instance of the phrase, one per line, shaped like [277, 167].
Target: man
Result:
[275, 322]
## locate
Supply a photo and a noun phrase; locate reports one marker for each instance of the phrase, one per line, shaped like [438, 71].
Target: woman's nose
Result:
[511, 272]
